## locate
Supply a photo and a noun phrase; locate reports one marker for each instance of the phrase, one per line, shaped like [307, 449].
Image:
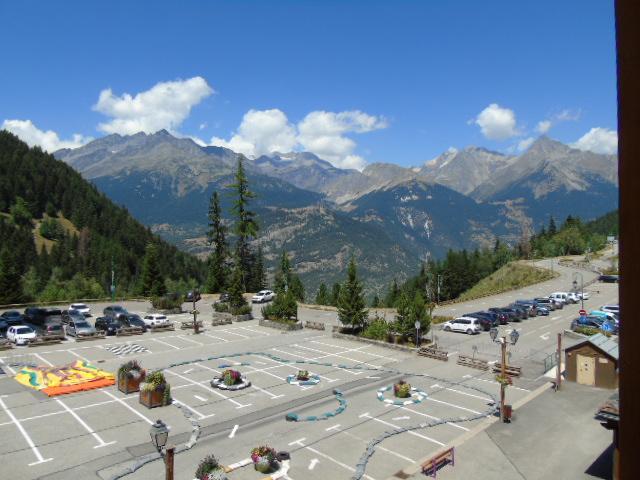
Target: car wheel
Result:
[447, 328]
[469, 331]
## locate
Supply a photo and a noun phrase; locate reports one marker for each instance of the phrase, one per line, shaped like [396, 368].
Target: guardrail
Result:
[434, 352]
[467, 361]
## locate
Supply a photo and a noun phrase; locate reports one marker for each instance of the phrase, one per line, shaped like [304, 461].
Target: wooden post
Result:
[196, 330]
[559, 362]
[168, 462]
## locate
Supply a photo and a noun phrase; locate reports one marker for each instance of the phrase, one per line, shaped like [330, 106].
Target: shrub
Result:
[230, 377]
[263, 452]
[377, 329]
[221, 307]
[242, 310]
[155, 381]
[302, 375]
[210, 469]
[587, 330]
[167, 302]
[131, 369]
[51, 229]
[402, 389]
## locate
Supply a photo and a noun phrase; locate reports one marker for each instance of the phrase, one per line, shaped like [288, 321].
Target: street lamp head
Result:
[159, 434]
[514, 336]
[493, 333]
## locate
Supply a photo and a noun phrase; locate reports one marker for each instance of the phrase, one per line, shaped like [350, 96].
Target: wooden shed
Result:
[593, 362]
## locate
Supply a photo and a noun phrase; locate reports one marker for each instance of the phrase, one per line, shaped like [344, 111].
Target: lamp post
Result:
[439, 285]
[159, 433]
[512, 339]
[417, 325]
[575, 287]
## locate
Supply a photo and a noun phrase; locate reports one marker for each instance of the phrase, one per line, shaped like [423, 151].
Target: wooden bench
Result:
[126, 331]
[433, 352]
[216, 322]
[510, 370]
[314, 325]
[83, 337]
[431, 466]
[467, 361]
[36, 342]
[188, 324]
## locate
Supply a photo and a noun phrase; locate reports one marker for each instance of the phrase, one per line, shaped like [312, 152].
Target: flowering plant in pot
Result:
[210, 469]
[402, 389]
[155, 391]
[130, 375]
[302, 375]
[231, 377]
[264, 459]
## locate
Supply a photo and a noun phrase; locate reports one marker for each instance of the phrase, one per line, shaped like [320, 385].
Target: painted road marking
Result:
[129, 407]
[453, 405]
[188, 407]
[313, 463]
[215, 392]
[26, 436]
[545, 336]
[233, 432]
[410, 432]
[101, 443]
[217, 338]
[378, 447]
[200, 398]
[406, 417]
[187, 371]
[434, 418]
[462, 393]
[184, 337]
[298, 442]
[43, 359]
[233, 333]
[78, 355]
[336, 426]
[496, 383]
[13, 372]
[330, 380]
[165, 343]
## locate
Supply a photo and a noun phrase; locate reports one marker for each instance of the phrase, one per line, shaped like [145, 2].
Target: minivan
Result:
[560, 297]
[463, 324]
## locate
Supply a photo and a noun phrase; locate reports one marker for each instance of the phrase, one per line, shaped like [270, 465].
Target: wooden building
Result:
[593, 362]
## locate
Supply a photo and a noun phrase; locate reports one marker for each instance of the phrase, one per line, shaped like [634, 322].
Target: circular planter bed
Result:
[210, 469]
[303, 378]
[403, 394]
[231, 380]
[264, 459]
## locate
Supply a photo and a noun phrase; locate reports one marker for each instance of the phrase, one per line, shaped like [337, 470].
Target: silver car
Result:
[79, 327]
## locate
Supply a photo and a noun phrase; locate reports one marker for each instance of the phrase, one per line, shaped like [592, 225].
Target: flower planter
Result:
[152, 398]
[129, 384]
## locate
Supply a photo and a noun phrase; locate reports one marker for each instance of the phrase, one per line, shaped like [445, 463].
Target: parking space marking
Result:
[305, 358]
[215, 392]
[101, 443]
[216, 338]
[13, 372]
[184, 337]
[433, 418]
[78, 355]
[233, 333]
[252, 385]
[340, 356]
[360, 349]
[43, 359]
[233, 432]
[201, 416]
[165, 343]
[430, 399]
[259, 333]
[378, 447]
[198, 397]
[330, 380]
[127, 406]
[336, 426]
[496, 383]
[337, 462]
[410, 432]
[26, 436]
[462, 393]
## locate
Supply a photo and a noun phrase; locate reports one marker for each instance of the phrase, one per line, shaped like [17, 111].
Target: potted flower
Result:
[303, 375]
[210, 469]
[506, 380]
[130, 375]
[231, 377]
[264, 459]
[155, 391]
[402, 389]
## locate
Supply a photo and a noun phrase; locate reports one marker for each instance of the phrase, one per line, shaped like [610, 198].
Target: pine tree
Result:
[375, 302]
[335, 294]
[419, 313]
[322, 297]
[152, 280]
[351, 305]
[246, 226]
[552, 227]
[216, 235]
[236, 289]
[258, 276]
[297, 288]
[10, 279]
[284, 306]
[392, 295]
[403, 314]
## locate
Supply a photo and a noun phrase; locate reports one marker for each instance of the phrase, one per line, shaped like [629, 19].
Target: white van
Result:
[560, 297]
[468, 325]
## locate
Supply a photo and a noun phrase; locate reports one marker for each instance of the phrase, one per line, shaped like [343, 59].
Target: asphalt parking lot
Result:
[99, 433]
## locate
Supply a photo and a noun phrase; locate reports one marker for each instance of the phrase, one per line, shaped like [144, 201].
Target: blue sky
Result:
[355, 82]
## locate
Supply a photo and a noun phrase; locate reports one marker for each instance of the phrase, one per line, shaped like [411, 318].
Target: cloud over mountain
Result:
[48, 140]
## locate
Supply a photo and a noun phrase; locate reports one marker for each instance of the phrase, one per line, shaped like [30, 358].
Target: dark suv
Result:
[113, 311]
[109, 325]
[35, 315]
[192, 296]
[488, 320]
[134, 320]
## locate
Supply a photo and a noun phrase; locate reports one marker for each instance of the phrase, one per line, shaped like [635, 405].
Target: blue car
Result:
[543, 311]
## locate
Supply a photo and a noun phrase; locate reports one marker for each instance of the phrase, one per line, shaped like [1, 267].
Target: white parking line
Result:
[305, 358]
[215, 392]
[410, 432]
[217, 338]
[13, 372]
[496, 383]
[378, 447]
[101, 443]
[452, 405]
[128, 407]
[324, 455]
[78, 355]
[201, 416]
[252, 385]
[330, 380]
[434, 418]
[165, 343]
[233, 333]
[233, 432]
[26, 436]
[359, 349]
[487, 399]
[184, 337]
[259, 333]
[339, 355]
[43, 359]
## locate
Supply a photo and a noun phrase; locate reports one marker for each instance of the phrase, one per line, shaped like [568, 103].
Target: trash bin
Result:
[508, 411]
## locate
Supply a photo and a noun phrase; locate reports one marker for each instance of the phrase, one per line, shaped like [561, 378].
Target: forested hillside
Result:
[37, 192]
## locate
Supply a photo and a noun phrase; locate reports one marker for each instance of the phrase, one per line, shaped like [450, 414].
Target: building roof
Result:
[608, 345]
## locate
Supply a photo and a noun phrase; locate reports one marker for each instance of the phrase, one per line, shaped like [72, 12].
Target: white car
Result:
[154, 319]
[573, 297]
[20, 334]
[263, 296]
[611, 308]
[583, 295]
[467, 325]
[81, 308]
[560, 297]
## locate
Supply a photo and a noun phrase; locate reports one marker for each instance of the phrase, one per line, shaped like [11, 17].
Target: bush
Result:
[242, 310]
[587, 330]
[284, 307]
[209, 469]
[377, 329]
[221, 307]
[167, 302]
[51, 229]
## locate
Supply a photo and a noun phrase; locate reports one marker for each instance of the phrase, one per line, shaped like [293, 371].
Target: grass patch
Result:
[510, 277]
[68, 227]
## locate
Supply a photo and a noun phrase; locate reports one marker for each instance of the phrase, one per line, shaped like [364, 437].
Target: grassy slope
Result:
[512, 276]
[67, 225]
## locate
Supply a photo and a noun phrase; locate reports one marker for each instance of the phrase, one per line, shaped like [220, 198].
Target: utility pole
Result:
[559, 362]
[503, 386]
[113, 285]
[195, 295]
[439, 285]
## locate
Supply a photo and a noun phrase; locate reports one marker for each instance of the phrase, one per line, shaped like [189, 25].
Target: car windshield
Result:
[78, 305]
[22, 331]
[82, 325]
[11, 314]
[135, 318]
[52, 313]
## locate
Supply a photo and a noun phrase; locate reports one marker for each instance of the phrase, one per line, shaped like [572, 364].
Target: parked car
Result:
[224, 298]
[134, 320]
[546, 302]
[542, 311]
[522, 311]
[573, 297]
[514, 315]
[531, 306]
[4, 326]
[82, 308]
[263, 296]
[71, 314]
[608, 315]
[488, 319]
[593, 321]
[13, 317]
[583, 295]
[109, 325]
[20, 334]
[467, 325]
[611, 308]
[82, 327]
[113, 311]
[35, 315]
[154, 319]
[191, 296]
[609, 278]
[560, 296]
[50, 329]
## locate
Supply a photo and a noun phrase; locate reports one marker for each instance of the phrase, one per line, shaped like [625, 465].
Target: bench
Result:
[36, 342]
[431, 466]
[467, 361]
[165, 327]
[434, 352]
[126, 331]
[82, 337]
[314, 325]
[188, 325]
[510, 370]
[221, 321]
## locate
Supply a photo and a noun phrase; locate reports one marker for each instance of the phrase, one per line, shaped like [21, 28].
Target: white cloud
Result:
[165, 105]
[543, 126]
[598, 140]
[525, 143]
[261, 132]
[47, 140]
[323, 133]
[497, 123]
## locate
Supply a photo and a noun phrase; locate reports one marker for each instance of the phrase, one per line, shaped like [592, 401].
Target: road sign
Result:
[606, 327]
[583, 313]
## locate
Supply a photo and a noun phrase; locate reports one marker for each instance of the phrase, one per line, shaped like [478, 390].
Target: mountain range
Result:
[389, 216]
